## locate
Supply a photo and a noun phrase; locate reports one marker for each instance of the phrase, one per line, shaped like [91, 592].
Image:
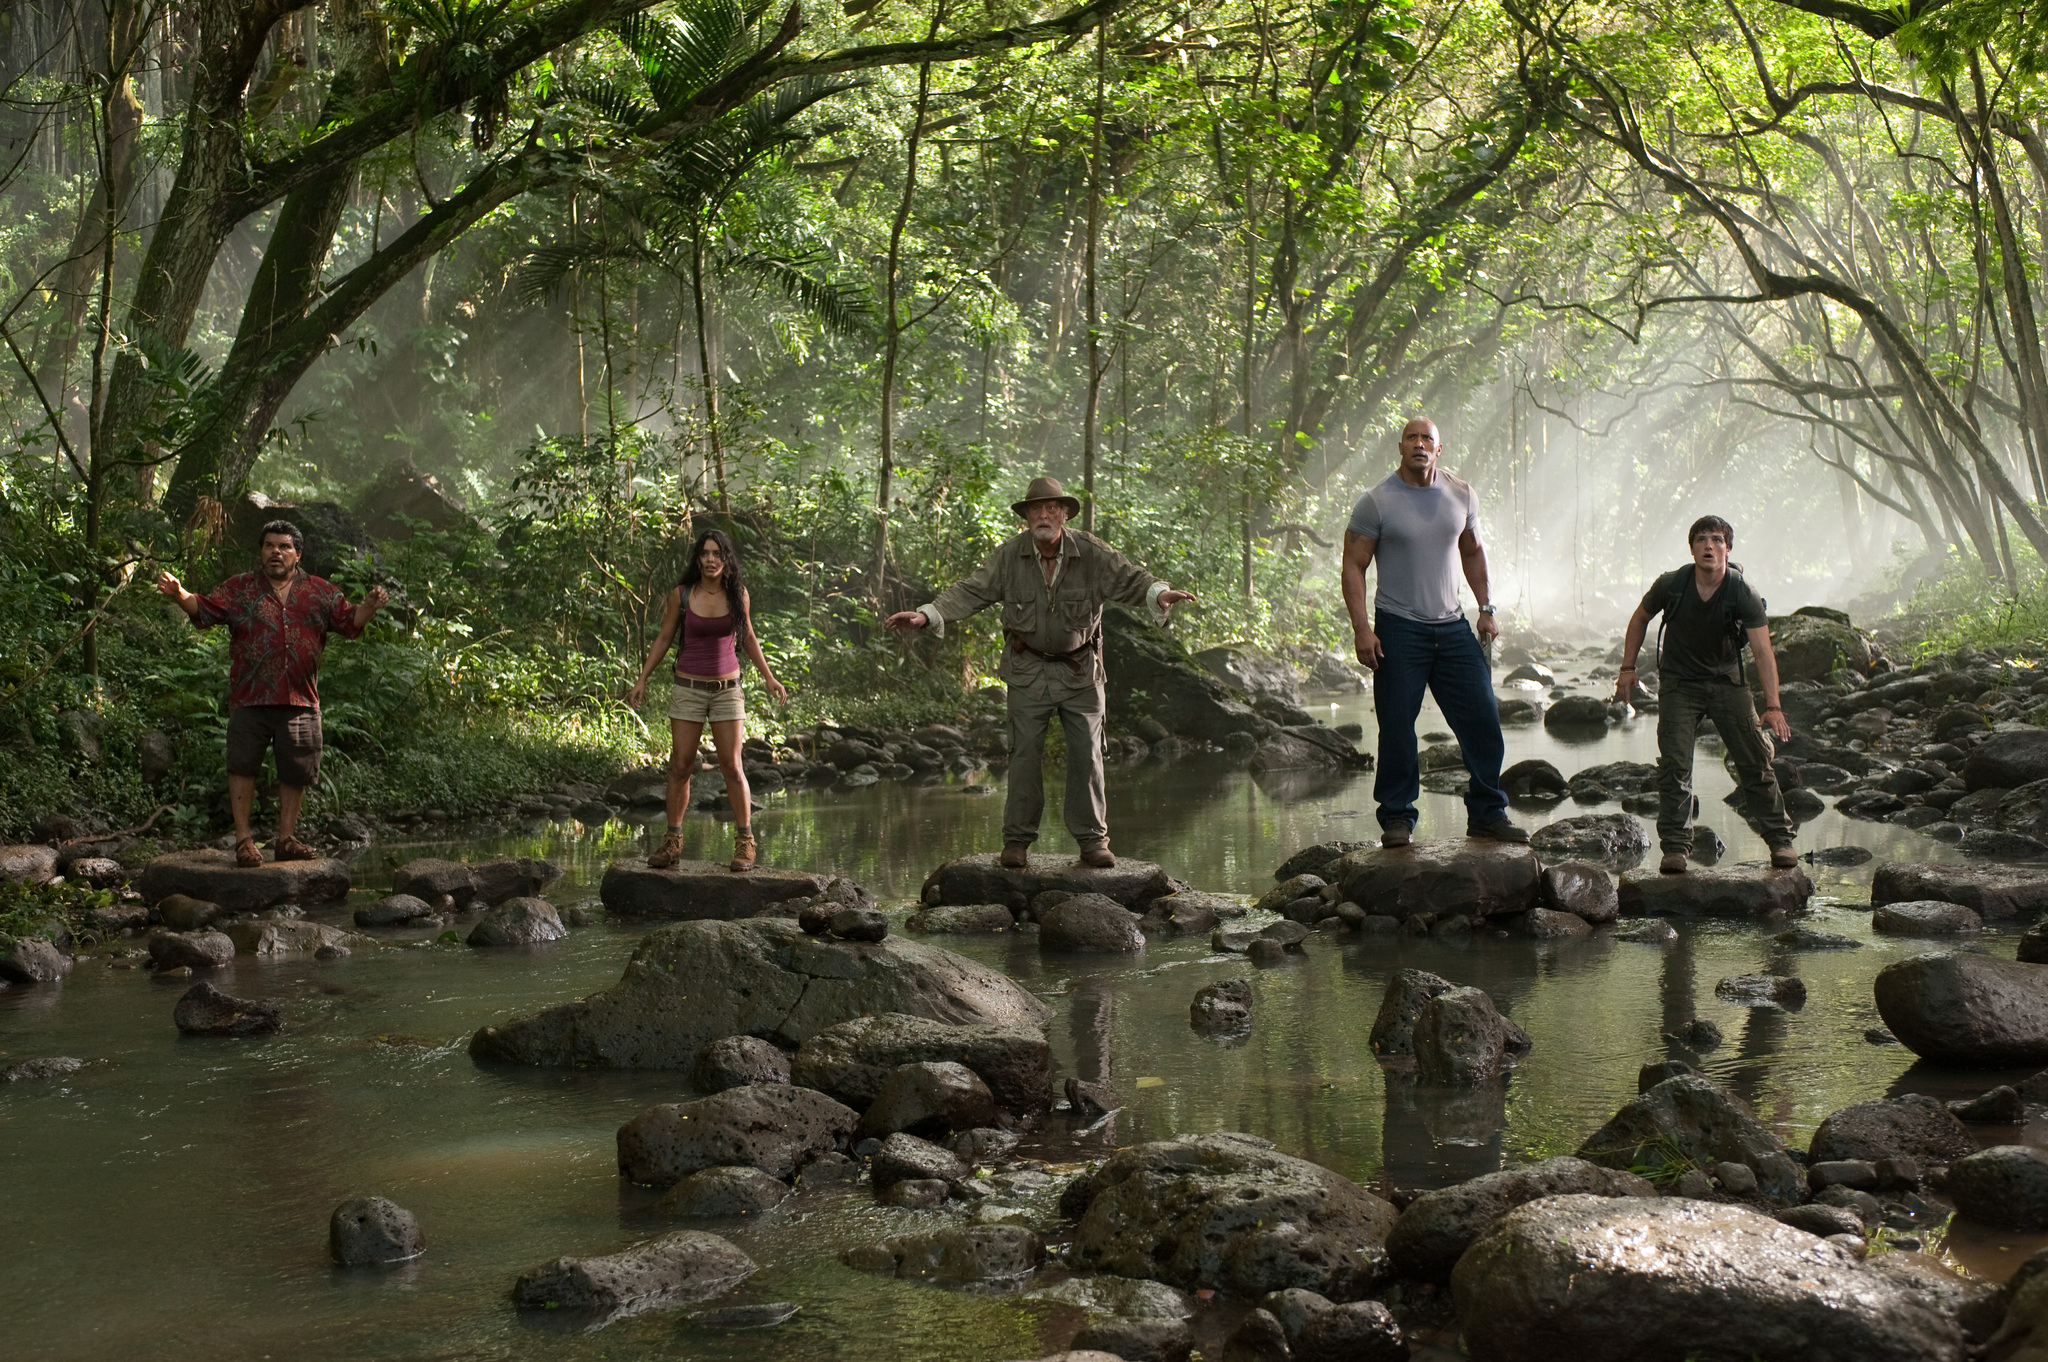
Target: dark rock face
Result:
[1597, 1279]
[1357, 1331]
[1136, 1340]
[853, 1060]
[1439, 1226]
[1909, 1127]
[396, 910]
[1092, 923]
[1462, 878]
[774, 1127]
[1928, 918]
[2008, 760]
[960, 1254]
[695, 891]
[1222, 1008]
[928, 1098]
[1580, 888]
[2001, 1106]
[684, 1266]
[2006, 1186]
[978, 879]
[1228, 1211]
[1689, 1116]
[1730, 891]
[1992, 892]
[28, 864]
[1180, 915]
[860, 924]
[32, 960]
[519, 922]
[724, 1191]
[962, 919]
[213, 877]
[183, 913]
[1151, 675]
[1579, 714]
[367, 1231]
[1408, 992]
[1822, 1221]
[1759, 990]
[199, 950]
[1613, 840]
[1547, 925]
[1809, 647]
[1259, 675]
[206, 1011]
[692, 982]
[493, 881]
[1318, 859]
[1304, 748]
[293, 936]
[1966, 1009]
[735, 1061]
[906, 1158]
[1534, 779]
[1461, 1038]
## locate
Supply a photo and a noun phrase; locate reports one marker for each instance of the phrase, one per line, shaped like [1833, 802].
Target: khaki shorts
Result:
[693, 706]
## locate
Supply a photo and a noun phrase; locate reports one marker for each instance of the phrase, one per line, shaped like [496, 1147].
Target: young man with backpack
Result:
[1710, 615]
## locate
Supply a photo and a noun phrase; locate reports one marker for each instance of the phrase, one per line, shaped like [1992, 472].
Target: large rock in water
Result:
[1227, 1211]
[1439, 1226]
[698, 890]
[493, 881]
[1089, 923]
[1912, 1126]
[1735, 891]
[1460, 1037]
[1465, 878]
[1601, 1279]
[2007, 760]
[852, 1060]
[1967, 1009]
[213, 877]
[1613, 841]
[692, 982]
[1690, 1117]
[1408, 992]
[978, 879]
[293, 936]
[774, 1127]
[1992, 892]
[684, 1266]
[1151, 675]
[1259, 675]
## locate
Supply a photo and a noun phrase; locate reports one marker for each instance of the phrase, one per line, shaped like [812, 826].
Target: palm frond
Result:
[543, 271]
[843, 307]
[682, 55]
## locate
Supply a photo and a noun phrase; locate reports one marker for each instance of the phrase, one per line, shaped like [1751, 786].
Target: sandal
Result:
[246, 854]
[290, 848]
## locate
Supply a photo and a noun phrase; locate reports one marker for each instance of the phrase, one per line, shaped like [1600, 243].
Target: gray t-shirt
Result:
[1417, 529]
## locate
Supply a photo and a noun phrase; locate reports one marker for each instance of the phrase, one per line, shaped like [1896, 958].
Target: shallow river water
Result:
[171, 1200]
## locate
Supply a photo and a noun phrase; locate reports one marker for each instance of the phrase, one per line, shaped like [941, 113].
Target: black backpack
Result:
[1731, 623]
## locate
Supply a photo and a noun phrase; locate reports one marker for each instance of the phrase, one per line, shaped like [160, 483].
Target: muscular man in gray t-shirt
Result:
[1417, 530]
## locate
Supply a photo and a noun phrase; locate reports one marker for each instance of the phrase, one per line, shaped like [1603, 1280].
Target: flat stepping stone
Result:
[694, 891]
[493, 881]
[1992, 892]
[1467, 877]
[292, 937]
[1931, 918]
[213, 877]
[1730, 891]
[979, 879]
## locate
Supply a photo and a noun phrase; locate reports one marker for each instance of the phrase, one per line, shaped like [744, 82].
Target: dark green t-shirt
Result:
[1700, 642]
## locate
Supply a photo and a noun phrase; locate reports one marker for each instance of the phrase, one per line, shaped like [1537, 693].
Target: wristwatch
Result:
[1486, 610]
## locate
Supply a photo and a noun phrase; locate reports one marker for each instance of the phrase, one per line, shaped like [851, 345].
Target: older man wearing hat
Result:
[1052, 582]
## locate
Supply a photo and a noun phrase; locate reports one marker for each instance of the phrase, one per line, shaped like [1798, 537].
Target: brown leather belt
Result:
[1071, 659]
[694, 684]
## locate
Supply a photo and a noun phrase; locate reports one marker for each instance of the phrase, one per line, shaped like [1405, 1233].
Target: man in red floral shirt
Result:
[278, 621]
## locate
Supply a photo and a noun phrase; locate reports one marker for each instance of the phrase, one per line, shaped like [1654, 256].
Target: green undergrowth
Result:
[35, 909]
[1968, 610]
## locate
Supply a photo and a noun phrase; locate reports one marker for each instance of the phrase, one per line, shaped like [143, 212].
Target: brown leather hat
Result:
[1047, 489]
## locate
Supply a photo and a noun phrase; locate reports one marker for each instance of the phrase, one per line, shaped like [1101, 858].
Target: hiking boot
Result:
[1097, 857]
[671, 851]
[1499, 830]
[1784, 857]
[290, 848]
[1016, 856]
[1672, 864]
[1396, 835]
[744, 852]
[246, 854]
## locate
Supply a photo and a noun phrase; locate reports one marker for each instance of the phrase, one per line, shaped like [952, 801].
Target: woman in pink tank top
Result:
[710, 613]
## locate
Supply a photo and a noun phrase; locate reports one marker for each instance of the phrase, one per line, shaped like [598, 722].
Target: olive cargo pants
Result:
[1682, 706]
[1080, 714]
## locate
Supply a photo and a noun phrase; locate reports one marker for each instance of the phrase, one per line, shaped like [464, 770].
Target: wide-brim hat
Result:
[1047, 489]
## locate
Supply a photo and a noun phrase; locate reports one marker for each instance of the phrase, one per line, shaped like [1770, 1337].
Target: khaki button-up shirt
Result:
[1054, 617]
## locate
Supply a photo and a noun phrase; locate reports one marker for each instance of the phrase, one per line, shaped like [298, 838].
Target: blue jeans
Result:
[1448, 660]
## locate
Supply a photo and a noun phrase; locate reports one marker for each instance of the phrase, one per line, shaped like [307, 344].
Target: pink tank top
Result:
[708, 644]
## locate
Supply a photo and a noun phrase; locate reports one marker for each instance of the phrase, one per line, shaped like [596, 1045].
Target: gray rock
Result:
[1992, 892]
[1437, 1227]
[199, 950]
[1358, 1331]
[692, 982]
[1228, 1211]
[903, 1157]
[1577, 714]
[101, 872]
[1461, 1038]
[1728, 891]
[1259, 1337]
[1650, 1075]
[1967, 1009]
[369, 1231]
[2005, 1186]
[724, 1191]
[28, 864]
[1137, 1340]
[695, 891]
[979, 879]
[1223, 1007]
[1408, 992]
[2033, 946]
[1265, 951]
[1690, 1118]
[771, 1126]
[1928, 918]
[395, 910]
[1126, 1297]
[1859, 1174]
[686, 1265]
[1276, 899]
[493, 881]
[2001, 1106]
[1260, 675]
[958, 1255]
[1654, 931]
[915, 1194]
[1545, 924]
[214, 877]
[736, 1061]
[183, 913]
[1302, 749]
[1698, 1279]
[1859, 1203]
[35, 1070]
[829, 1170]
[206, 1011]
[2007, 760]
[860, 924]
[1807, 939]
[1821, 1220]
[1294, 1308]
[929, 1097]
[1464, 878]
[1089, 922]
[854, 1059]
[1317, 859]
[519, 921]
[1762, 990]
[1616, 841]
[1580, 888]
[289, 936]
[1736, 1179]
[32, 960]
[962, 919]
[1908, 1127]
[1180, 915]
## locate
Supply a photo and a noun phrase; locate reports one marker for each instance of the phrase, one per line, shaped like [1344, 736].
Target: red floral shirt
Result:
[274, 649]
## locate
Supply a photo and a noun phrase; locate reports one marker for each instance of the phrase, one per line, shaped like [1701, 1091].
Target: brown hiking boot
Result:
[290, 848]
[1672, 864]
[1783, 858]
[1016, 856]
[1097, 857]
[246, 854]
[743, 850]
[671, 851]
